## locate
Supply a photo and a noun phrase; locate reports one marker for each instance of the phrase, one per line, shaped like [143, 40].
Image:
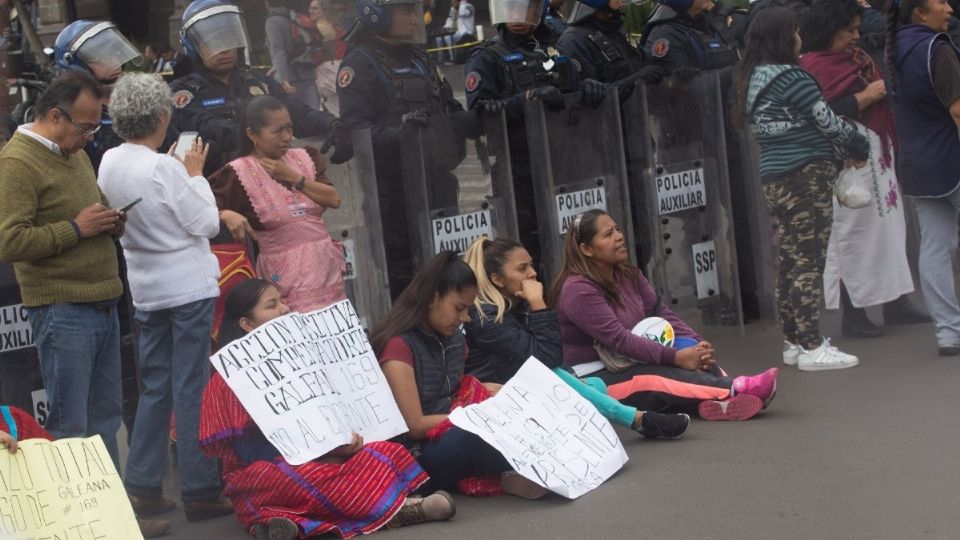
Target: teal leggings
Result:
[595, 391]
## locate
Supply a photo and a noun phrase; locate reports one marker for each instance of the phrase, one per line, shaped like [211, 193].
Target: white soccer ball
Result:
[655, 329]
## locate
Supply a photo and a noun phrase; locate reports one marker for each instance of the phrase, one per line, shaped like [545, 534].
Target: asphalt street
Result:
[868, 452]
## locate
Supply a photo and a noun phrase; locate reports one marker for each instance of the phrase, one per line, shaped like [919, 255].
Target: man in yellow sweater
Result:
[55, 228]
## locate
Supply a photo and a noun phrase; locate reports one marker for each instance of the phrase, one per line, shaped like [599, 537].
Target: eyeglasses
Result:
[86, 132]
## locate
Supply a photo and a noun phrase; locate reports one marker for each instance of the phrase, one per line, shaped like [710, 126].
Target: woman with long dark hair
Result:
[354, 489]
[865, 242]
[923, 84]
[422, 350]
[510, 322]
[799, 138]
[277, 195]
[599, 298]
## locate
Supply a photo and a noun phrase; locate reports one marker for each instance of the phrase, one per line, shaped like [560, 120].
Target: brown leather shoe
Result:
[150, 506]
[152, 528]
[201, 510]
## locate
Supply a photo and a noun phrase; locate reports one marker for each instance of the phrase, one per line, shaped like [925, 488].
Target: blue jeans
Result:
[459, 454]
[79, 348]
[175, 367]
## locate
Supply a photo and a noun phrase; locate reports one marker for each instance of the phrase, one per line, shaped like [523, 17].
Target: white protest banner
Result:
[63, 490]
[456, 233]
[309, 380]
[681, 190]
[705, 269]
[547, 432]
[577, 202]
[15, 330]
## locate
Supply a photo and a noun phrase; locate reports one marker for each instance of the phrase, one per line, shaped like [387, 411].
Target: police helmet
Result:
[678, 6]
[209, 27]
[93, 45]
[377, 16]
[529, 12]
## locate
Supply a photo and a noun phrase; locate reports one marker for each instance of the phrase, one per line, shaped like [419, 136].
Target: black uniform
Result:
[377, 85]
[208, 106]
[503, 68]
[673, 40]
[602, 49]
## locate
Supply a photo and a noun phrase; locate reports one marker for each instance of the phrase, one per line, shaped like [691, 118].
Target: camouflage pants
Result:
[802, 203]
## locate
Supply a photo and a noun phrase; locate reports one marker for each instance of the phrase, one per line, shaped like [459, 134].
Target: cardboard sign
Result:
[705, 269]
[309, 381]
[577, 202]
[456, 233]
[547, 432]
[15, 330]
[68, 489]
[680, 191]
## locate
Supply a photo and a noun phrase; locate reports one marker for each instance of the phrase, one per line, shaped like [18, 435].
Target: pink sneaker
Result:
[764, 385]
[739, 407]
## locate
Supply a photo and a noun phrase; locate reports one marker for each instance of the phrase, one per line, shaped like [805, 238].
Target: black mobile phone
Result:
[132, 204]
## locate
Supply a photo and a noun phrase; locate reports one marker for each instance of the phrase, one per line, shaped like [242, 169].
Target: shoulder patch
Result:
[660, 48]
[345, 77]
[472, 81]
[182, 98]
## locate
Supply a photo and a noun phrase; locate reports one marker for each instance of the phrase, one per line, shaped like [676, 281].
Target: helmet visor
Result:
[516, 11]
[105, 51]
[217, 33]
[406, 22]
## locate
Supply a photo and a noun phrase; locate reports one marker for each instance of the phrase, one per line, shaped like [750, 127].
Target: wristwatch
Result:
[301, 184]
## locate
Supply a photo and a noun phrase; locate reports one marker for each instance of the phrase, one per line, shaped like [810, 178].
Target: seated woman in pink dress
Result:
[277, 195]
[355, 489]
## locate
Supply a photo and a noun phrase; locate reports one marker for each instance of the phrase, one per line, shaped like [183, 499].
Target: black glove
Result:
[685, 73]
[551, 97]
[592, 92]
[419, 117]
[651, 74]
[625, 88]
[342, 142]
[490, 107]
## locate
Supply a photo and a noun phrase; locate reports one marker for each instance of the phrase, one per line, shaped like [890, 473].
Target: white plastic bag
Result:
[852, 189]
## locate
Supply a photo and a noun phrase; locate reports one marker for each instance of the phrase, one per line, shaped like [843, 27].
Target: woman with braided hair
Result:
[923, 87]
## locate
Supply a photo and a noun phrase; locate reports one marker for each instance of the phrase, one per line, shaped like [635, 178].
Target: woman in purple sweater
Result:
[599, 297]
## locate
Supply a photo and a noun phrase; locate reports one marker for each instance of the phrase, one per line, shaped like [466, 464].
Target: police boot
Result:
[855, 322]
[902, 311]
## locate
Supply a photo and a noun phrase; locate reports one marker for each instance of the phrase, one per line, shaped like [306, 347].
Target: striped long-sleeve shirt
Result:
[794, 125]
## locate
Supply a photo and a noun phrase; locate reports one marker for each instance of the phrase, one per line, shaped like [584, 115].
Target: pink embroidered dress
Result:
[297, 253]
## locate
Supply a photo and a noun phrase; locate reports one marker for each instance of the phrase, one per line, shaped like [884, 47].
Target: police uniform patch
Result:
[660, 48]
[257, 90]
[472, 81]
[345, 77]
[182, 98]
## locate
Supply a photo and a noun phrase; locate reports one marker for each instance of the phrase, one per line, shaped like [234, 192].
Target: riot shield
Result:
[763, 230]
[576, 164]
[457, 187]
[356, 224]
[678, 168]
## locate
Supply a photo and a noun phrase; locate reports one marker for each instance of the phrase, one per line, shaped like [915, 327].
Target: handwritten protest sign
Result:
[547, 432]
[310, 380]
[64, 490]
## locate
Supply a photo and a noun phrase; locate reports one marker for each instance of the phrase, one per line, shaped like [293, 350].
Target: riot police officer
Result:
[211, 98]
[517, 65]
[386, 81]
[685, 37]
[595, 38]
[99, 48]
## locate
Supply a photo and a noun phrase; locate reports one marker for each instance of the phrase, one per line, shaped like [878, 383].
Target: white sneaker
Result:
[790, 353]
[825, 357]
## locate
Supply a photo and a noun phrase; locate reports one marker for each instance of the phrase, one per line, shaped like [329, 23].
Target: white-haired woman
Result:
[173, 280]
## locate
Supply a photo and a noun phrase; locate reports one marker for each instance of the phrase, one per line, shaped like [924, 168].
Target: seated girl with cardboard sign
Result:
[599, 297]
[355, 489]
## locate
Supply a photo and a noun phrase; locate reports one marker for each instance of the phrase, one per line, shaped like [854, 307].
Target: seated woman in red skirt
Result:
[355, 489]
[17, 425]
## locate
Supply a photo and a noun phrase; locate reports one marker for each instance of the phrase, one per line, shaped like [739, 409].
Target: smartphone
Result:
[132, 204]
[185, 143]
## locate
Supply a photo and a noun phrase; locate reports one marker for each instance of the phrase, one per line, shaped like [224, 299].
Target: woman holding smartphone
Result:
[277, 195]
[173, 280]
